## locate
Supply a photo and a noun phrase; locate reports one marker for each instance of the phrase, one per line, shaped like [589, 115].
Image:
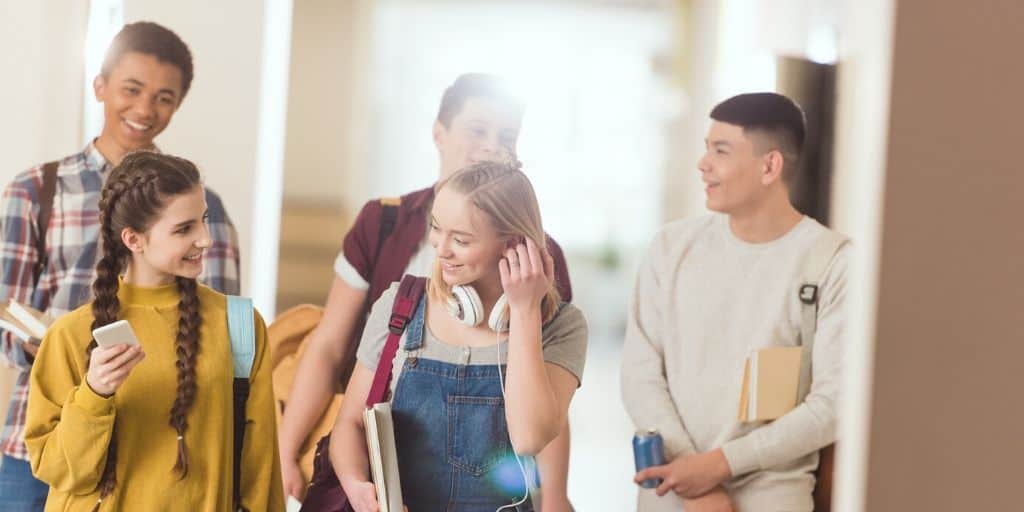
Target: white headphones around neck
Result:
[465, 305]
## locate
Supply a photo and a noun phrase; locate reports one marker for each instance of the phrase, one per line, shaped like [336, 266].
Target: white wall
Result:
[862, 130]
[42, 62]
[225, 124]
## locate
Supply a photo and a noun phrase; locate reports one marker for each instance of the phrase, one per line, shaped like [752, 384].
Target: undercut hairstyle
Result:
[777, 120]
[134, 196]
[149, 38]
[476, 85]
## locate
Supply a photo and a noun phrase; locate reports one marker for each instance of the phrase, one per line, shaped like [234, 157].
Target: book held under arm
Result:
[380, 444]
[771, 379]
[25, 323]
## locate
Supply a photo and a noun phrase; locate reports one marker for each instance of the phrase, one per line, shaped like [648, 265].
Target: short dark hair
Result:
[777, 117]
[151, 39]
[475, 85]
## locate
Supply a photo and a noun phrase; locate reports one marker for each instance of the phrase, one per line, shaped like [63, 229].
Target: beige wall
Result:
[695, 58]
[324, 157]
[43, 66]
[42, 88]
[945, 417]
[325, 167]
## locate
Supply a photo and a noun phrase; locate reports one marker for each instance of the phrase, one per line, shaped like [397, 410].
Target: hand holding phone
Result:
[117, 333]
[118, 351]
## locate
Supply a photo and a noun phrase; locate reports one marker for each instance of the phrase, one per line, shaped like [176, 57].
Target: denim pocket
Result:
[477, 433]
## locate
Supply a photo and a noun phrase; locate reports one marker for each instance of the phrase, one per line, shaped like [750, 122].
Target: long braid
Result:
[106, 307]
[133, 197]
[187, 348]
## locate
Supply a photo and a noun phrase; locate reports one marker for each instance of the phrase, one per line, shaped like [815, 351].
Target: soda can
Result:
[648, 451]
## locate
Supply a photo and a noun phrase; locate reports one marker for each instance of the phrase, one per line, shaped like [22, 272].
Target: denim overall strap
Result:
[414, 333]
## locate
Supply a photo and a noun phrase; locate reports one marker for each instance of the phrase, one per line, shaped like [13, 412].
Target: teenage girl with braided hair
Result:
[150, 426]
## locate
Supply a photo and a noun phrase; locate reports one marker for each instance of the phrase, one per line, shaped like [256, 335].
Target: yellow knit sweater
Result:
[68, 426]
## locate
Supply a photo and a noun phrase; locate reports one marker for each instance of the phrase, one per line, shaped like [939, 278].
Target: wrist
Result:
[97, 390]
[287, 453]
[723, 471]
[524, 313]
[353, 479]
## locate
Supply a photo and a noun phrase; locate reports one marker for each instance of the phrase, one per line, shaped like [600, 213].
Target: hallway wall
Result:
[945, 421]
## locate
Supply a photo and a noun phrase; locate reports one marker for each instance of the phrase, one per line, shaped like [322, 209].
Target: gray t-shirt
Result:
[564, 342]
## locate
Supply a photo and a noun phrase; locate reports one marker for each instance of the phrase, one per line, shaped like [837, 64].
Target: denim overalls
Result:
[451, 435]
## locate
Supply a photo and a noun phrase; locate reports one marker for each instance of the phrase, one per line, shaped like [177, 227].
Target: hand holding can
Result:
[648, 451]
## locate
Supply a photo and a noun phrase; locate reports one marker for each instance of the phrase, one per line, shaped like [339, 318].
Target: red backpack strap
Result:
[409, 294]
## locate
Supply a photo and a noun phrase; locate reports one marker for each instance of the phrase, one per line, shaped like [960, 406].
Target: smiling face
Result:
[468, 248]
[736, 175]
[140, 94]
[481, 130]
[174, 245]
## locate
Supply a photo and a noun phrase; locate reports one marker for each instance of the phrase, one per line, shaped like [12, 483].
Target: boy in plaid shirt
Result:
[145, 76]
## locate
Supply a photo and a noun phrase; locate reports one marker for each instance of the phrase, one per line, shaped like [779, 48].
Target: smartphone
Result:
[117, 333]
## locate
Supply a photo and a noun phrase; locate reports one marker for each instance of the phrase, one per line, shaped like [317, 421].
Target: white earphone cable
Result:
[522, 470]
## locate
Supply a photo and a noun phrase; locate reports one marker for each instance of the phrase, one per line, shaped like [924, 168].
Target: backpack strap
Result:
[243, 335]
[243, 353]
[47, 191]
[388, 217]
[410, 292]
[817, 262]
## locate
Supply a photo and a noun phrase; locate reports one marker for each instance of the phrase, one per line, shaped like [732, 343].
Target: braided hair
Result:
[134, 197]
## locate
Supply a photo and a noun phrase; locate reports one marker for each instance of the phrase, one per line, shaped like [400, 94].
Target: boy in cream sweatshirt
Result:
[709, 291]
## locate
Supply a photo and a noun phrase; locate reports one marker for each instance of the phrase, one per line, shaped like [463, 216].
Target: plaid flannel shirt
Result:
[72, 240]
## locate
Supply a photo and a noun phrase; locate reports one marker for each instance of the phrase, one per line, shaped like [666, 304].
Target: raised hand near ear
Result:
[527, 273]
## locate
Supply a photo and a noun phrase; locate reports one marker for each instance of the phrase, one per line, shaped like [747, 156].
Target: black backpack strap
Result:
[388, 216]
[46, 195]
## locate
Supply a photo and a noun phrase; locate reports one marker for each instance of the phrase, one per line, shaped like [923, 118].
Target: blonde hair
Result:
[505, 196]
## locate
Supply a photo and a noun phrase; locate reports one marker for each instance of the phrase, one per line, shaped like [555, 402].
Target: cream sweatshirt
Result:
[703, 300]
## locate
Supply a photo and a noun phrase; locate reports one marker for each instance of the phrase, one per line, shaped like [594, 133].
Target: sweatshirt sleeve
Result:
[645, 390]
[68, 426]
[261, 485]
[812, 425]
